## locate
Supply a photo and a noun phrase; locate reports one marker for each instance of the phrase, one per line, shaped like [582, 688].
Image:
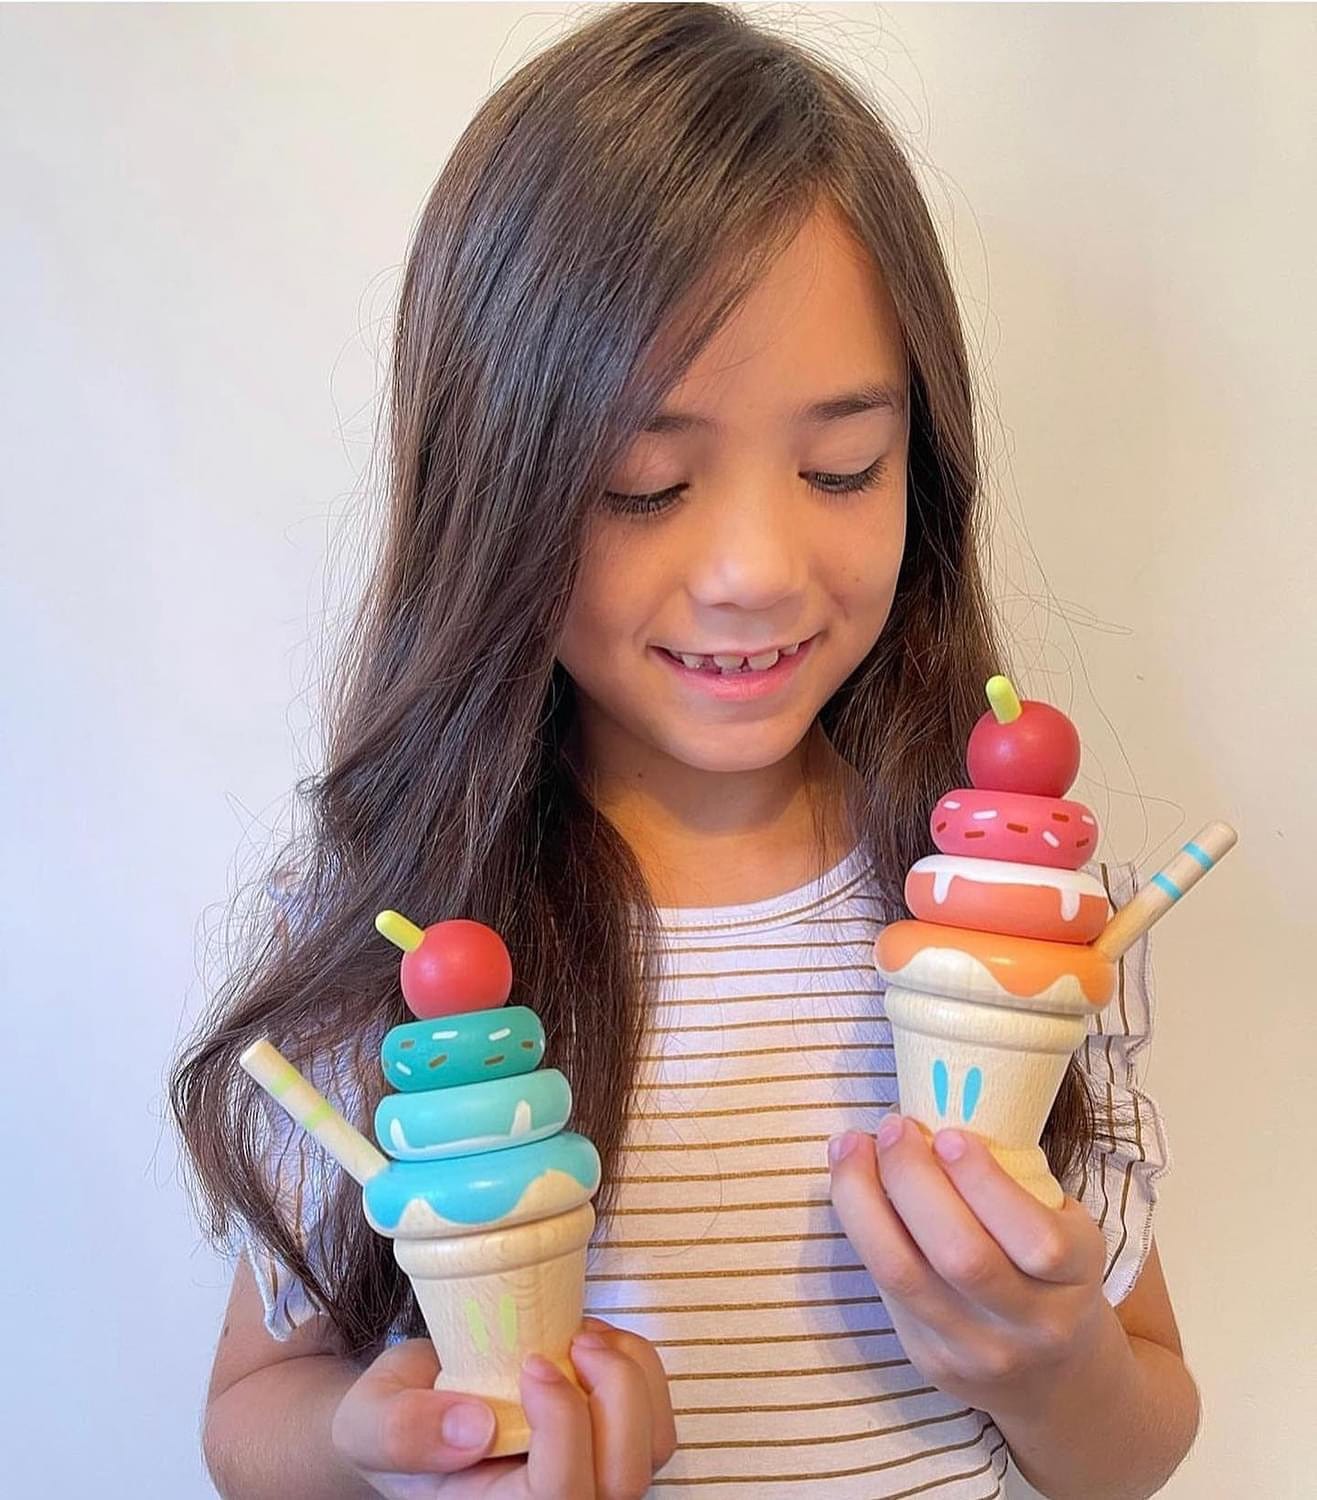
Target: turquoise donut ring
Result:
[464, 1048]
[476, 1117]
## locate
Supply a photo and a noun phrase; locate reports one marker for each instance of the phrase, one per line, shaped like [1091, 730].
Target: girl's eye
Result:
[825, 484]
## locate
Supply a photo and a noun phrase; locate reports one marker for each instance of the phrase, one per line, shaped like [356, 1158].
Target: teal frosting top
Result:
[482, 1189]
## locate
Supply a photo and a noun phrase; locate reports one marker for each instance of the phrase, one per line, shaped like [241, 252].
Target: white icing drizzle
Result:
[405, 1151]
[1070, 885]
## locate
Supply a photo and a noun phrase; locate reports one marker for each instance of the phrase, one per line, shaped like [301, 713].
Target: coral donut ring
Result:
[1014, 825]
[997, 895]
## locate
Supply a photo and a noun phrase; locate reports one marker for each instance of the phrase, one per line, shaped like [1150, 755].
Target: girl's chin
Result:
[729, 748]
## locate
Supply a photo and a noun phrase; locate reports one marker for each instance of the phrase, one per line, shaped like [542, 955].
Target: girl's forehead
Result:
[819, 323]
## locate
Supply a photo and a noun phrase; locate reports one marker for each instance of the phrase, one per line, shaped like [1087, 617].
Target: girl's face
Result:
[748, 555]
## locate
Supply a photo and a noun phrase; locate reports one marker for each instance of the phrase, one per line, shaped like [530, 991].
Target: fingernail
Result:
[542, 1369]
[466, 1424]
[889, 1132]
[588, 1340]
[841, 1146]
[949, 1145]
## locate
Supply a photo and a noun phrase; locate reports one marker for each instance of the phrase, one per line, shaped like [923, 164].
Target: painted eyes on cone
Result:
[825, 484]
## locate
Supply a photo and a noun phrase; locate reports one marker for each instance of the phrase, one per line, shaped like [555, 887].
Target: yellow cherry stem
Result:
[1002, 699]
[399, 931]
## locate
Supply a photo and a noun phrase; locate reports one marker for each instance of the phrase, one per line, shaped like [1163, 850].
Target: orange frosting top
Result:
[1022, 966]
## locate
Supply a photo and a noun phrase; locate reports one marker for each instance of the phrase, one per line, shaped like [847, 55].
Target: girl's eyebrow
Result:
[874, 396]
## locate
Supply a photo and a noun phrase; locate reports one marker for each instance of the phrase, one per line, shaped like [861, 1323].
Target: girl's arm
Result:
[270, 1406]
[289, 1420]
[1122, 1424]
[278, 1425]
[998, 1300]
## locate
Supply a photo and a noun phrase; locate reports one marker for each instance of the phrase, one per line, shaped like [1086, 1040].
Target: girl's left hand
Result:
[994, 1296]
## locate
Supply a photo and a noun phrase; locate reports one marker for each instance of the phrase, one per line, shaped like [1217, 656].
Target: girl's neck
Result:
[718, 854]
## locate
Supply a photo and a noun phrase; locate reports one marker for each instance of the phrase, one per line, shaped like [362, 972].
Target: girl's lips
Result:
[738, 686]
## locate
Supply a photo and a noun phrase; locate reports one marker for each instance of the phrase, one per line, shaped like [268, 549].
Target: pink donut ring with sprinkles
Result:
[1032, 830]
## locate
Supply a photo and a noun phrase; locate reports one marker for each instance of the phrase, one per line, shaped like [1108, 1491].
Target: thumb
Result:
[392, 1420]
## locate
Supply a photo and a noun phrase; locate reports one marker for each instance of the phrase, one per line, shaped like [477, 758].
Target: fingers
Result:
[561, 1457]
[640, 1352]
[619, 1409]
[958, 1247]
[875, 1229]
[392, 1420]
[1063, 1246]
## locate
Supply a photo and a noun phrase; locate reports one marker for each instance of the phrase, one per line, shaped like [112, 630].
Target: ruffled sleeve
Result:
[1119, 1183]
[299, 1170]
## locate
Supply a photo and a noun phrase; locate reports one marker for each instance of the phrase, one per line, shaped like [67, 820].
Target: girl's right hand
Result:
[605, 1444]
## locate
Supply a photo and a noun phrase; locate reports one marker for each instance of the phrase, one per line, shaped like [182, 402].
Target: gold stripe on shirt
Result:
[776, 1081]
[872, 1398]
[770, 1338]
[772, 1051]
[838, 1437]
[767, 1021]
[891, 1463]
[730, 1307]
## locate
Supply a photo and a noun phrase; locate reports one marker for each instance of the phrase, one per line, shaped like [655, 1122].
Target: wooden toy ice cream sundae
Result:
[484, 1193]
[991, 987]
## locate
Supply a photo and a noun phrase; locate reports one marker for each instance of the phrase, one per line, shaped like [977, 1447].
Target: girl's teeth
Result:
[762, 663]
[731, 664]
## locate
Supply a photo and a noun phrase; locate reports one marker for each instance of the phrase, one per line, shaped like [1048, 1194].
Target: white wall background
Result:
[205, 211]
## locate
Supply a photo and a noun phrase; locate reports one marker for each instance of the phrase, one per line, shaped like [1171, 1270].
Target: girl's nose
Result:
[749, 550]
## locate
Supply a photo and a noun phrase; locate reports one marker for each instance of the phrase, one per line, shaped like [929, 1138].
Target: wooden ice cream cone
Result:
[490, 1298]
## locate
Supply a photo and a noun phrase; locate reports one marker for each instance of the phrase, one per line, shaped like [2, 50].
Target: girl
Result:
[677, 632]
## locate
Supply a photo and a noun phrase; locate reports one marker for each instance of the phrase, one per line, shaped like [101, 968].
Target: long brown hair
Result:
[600, 218]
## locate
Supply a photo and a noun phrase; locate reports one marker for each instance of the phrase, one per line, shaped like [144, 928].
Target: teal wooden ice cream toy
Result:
[483, 1191]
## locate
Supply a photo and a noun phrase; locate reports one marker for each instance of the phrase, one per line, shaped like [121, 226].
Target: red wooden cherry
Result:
[1035, 749]
[449, 966]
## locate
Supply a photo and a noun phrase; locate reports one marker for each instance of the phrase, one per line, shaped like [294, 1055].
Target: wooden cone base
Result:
[490, 1299]
[987, 1067]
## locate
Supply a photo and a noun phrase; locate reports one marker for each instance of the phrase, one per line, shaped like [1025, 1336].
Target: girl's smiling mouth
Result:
[743, 681]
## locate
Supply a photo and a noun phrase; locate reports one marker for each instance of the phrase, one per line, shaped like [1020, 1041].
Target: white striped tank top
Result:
[724, 1250]
[768, 1037]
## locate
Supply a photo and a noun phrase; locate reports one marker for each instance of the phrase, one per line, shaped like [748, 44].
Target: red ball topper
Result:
[449, 966]
[1022, 746]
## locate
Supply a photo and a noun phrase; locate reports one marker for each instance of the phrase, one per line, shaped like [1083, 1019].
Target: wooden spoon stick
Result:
[1165, 888]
